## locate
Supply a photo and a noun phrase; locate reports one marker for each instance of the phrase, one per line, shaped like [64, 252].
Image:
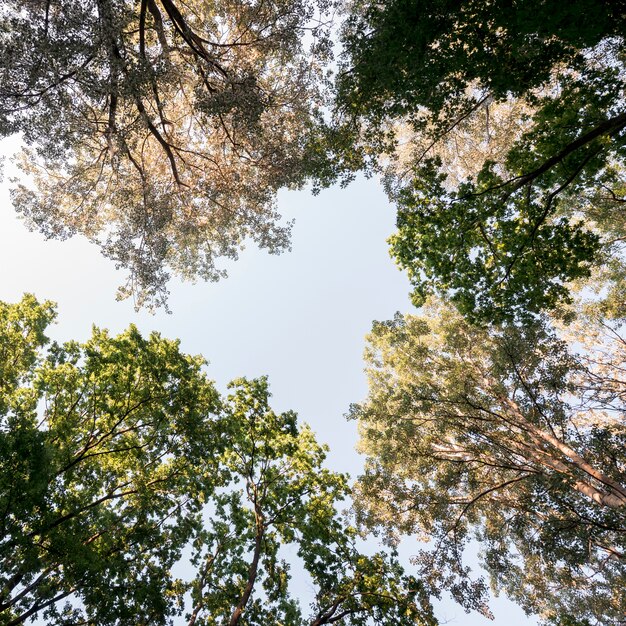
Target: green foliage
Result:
[118, 457]
[438, 48]
[101, 443]
[504, 238]
[494, 253]
[280, 495]
[510, 437]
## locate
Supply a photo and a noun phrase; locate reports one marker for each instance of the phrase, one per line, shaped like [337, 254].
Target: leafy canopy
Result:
[102, 470]
[119, 461]
[281, 495]
[510, 436]
[498, 217]
[161, 130]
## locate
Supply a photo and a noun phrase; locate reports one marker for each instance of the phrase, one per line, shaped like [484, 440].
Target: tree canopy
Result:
[503, 237]
[161, 130]
[281, 495]
[103, 468]
[119, 460]
[511, 436]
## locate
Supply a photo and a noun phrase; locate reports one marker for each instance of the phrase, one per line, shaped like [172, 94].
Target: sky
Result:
[300, 317]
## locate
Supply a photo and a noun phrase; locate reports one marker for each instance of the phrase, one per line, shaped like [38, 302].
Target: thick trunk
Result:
[617, 493]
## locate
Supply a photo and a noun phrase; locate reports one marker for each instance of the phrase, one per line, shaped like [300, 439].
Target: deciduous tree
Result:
[161, 130]
[280, 494]
[509, 436]
[103, 470]
[502, 238]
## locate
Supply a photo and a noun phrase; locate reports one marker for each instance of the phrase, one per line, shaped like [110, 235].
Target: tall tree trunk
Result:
[253, 570]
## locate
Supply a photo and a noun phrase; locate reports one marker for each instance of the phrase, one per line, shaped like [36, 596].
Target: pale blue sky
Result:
[300, 317]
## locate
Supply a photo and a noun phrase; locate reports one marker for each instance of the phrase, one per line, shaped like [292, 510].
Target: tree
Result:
[281, 495]
[102, 473]
[510, 437]
[158, 129]
[502, 239]
[118, 457]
